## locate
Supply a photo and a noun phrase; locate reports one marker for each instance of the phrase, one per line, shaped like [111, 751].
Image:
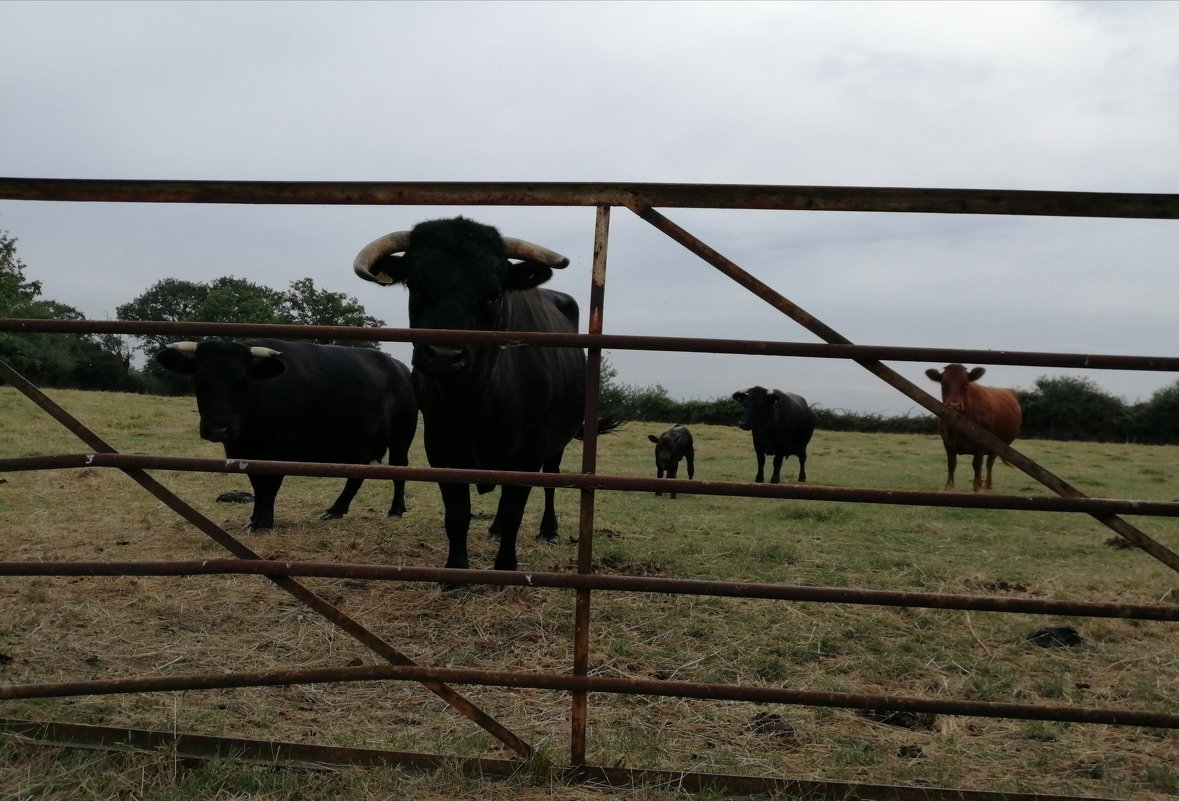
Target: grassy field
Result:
[60, 629]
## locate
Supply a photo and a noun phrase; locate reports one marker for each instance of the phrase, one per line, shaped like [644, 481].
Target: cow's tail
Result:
[606, 425]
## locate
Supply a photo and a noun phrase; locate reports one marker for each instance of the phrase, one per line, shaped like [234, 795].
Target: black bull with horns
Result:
[299, 402]
[483, 406]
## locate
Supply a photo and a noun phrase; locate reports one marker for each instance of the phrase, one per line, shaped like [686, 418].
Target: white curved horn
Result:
[264, 353]
[523, 249]
[389, 244]
[183, 347]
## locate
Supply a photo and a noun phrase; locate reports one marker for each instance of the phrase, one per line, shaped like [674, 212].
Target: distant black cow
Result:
[782, 425]
[671, 446]
[485, 406]
[298, 402]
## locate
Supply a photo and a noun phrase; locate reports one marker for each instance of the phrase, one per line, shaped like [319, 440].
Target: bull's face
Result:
[954, 380]
[757, 407]
[458, 273]
[462, 292]
[222, 373]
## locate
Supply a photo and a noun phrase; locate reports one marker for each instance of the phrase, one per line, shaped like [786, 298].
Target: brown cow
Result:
[994, 408]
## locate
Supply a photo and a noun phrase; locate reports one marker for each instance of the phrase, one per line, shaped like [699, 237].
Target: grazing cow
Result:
[782, 425]
[485, 406]
[298, 402]
[671, 446]
[994, 408]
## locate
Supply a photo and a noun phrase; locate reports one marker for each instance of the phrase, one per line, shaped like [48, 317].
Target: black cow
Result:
[298, 402]
[782, 425]
[485, 406]
[671, 446]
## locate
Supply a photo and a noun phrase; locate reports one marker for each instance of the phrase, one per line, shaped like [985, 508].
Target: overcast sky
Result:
[1017, 95]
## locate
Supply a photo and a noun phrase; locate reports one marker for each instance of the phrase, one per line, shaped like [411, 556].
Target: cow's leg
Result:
[977, 464]
[265, 490]
[761, 465]
[802, 465]
[658, 474]
[548, 520]
[776, 478]
[990, 465]
[691, 457]
[512, 501]
[457, 521]
[342, 504]
[672, 469]
[398, 457]
[951, 464]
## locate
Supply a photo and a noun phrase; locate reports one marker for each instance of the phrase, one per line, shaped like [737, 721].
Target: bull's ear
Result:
[977, 373]
[526, 274]
[389, 269]
[934, 375]
[740, 397]
[266, 367]
[175, 360]
[653, 438]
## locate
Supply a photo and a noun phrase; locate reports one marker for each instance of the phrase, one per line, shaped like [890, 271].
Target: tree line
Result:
[1054, 408]
[105, 361]
[1062, 408]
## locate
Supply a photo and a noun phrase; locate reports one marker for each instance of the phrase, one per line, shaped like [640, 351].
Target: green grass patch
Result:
[66, 629]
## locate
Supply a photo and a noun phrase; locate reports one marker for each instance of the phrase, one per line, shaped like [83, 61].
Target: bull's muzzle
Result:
[442, 361]
[216, 432]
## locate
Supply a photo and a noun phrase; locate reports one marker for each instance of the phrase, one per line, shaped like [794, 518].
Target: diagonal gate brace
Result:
[242, 551]
[899, 382]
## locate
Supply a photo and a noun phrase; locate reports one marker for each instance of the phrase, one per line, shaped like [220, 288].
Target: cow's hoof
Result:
[330, 515]
[393, 514]
[547, 539]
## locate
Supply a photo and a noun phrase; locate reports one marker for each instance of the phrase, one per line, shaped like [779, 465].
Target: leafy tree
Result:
[73, 360]
[306, 305]
[14, 289]
[170, 300]
[612, 395]
[1157, 420]
[116, 345]
[1073, 408]
[235, 300]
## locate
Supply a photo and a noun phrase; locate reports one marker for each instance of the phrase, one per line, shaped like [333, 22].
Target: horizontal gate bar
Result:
[511, 193]
[965, 500]
[313, 601]
[599, 684]
[594, 581]
[271, 752]
[951, 417]
[747, 347]
[632, 195]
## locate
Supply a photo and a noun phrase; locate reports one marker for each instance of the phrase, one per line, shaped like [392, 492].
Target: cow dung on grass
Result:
[1056, 637]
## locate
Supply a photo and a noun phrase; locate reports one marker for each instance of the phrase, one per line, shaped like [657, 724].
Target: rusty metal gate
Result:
[642, 200]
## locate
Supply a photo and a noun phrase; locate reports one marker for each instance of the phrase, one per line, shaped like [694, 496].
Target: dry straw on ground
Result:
[58, 629]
